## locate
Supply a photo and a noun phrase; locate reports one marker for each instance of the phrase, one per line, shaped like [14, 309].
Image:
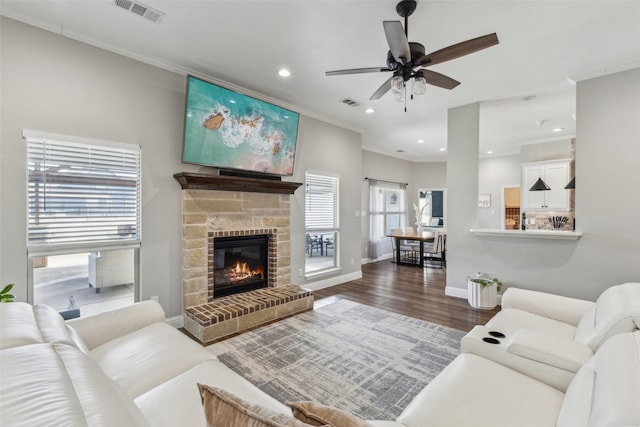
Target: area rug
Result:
[367, 361]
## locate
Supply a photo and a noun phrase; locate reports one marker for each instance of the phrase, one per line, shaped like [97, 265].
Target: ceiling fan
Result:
[404, 57]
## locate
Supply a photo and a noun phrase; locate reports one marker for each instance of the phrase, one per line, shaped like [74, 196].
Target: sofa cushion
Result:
[54, 329]
[606, 391]
[616, 310]
[510, 320]
[576, 407]
[317, 414]
[224, 409]
[158, 404]
[103, 327]
[18, 325]
[616, 395]
[47, 384]
[473, 391]
[148, 357]
[24, 324]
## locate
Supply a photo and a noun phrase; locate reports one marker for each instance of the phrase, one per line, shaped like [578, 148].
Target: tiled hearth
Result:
[231, 314]
[209, 212]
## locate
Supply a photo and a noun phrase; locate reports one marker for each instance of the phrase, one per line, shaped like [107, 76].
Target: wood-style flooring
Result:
[410, 291]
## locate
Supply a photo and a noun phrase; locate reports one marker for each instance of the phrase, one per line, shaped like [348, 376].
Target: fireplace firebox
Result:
[240, 264]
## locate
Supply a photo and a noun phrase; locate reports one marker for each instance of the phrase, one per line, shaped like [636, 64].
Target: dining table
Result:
[418, 236]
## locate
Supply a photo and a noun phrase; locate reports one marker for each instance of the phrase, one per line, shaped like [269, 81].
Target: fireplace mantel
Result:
[199, 181]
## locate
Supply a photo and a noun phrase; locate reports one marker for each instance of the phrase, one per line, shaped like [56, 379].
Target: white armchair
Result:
[111, 268]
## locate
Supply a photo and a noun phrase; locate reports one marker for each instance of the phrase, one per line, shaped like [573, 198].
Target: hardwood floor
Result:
[410, 291]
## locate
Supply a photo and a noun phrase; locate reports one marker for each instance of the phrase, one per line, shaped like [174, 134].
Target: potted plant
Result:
[483, 291]
[5, 296]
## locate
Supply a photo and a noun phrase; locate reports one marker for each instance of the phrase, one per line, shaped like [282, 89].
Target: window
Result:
[83, 200]
[388, 210]
[321, 222]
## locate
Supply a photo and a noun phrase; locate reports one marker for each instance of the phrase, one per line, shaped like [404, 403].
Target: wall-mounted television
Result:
[229, 130]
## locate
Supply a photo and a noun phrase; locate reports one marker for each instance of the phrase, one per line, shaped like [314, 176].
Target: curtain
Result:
[387, 210]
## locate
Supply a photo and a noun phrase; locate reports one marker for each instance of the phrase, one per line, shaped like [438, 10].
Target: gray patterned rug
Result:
[358, 358]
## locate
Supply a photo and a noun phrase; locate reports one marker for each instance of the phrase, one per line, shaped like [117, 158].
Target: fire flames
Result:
[242, 271]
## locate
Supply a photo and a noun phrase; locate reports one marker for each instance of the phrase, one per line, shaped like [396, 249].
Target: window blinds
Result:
[81, 196]
[321, 202]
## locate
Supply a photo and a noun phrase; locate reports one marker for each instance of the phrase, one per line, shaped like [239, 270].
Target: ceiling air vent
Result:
[140, 10]
[350, 102]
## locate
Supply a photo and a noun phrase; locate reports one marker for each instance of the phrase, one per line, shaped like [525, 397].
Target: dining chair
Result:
[437, 251]
[313, 243]
[412, 244]
[406, 251]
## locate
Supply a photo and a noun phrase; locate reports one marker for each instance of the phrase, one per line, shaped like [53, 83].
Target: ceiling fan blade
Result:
[459, 49]
[437, 79]
[357, 71]
[397, 40]
[386, 87]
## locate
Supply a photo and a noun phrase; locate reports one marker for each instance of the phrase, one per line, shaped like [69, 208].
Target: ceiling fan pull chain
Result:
[405, 98]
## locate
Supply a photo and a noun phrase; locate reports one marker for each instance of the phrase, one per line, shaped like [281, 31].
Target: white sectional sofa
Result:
[549, 337]
[129, 368]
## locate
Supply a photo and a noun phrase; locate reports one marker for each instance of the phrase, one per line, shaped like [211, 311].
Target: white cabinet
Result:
[556, 175]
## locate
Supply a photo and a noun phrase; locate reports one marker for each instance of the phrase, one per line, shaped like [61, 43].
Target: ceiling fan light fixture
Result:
[419, 86]
[540, 185]
[399, 96]
[397, 84]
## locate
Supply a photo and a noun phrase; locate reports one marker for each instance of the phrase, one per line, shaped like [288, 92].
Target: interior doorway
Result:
[433, 207]
[511, 207]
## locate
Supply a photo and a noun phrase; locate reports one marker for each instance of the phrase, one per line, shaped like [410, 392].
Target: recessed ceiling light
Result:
[529, 98]
[400, 151]
[421, 141]
[369, 110]
[442, 149]
[283, 72]
[558, 129]
[490, 152]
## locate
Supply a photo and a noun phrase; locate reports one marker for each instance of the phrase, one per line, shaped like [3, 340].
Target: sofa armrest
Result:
[561, 353]
[100, 328]
[557, 307]
[551, 360]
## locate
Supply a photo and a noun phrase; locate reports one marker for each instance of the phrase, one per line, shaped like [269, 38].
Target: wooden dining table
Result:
[418, 236]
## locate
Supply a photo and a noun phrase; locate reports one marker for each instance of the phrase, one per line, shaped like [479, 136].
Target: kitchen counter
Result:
[536, 234]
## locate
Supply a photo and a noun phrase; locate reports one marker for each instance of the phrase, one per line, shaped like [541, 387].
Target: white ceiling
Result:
[545, 47]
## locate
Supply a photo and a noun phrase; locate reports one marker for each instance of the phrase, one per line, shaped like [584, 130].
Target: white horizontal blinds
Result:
[321, 202]
[82, 195]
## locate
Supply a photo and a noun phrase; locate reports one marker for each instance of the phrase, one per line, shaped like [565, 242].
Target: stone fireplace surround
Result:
[214, 206]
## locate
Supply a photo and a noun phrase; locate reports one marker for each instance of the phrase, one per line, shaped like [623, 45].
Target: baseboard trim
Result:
[456, 292]
[321, 284]
[175, 321]
[381, 258]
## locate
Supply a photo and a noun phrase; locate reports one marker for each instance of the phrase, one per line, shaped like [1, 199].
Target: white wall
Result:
[53, 84]
[495, 173]
[50, 83]
[318, 146]
[384, 168]
[426, 175]
[607, 204]
[560, 149]
[607, 177]
[462, 195]
[416, 174]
